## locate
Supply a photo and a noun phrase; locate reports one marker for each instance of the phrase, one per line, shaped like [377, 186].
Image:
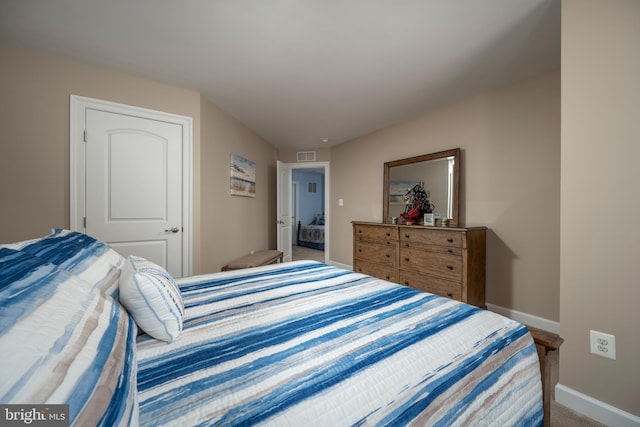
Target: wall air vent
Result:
[306, 156]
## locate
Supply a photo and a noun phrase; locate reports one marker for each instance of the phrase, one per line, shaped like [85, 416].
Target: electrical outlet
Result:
[603, 344]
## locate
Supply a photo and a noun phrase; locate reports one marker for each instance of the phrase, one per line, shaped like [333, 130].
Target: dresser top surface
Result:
[454, 228]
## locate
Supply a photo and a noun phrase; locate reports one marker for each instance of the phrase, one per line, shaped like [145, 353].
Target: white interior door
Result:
[284, 210]
[294, 213]
[134, 186]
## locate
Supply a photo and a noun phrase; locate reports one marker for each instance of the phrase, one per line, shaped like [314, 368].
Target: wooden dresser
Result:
[448, 261]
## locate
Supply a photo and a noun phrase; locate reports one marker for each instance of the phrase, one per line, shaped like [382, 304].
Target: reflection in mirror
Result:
[439, 175]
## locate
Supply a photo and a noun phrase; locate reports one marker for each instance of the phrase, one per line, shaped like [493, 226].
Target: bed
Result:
[312, 235]
[299, 343]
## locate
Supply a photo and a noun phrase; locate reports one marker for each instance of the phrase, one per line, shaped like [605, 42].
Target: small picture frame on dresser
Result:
[429, 220]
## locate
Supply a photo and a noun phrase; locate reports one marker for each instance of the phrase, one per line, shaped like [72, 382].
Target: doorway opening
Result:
[310, 206]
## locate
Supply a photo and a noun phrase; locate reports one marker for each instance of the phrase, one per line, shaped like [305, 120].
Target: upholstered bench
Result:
[255, 259]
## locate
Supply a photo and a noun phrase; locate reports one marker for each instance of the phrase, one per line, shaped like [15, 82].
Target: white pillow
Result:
[152, 297]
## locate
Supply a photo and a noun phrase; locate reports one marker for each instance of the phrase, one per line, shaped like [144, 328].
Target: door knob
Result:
[172, 229]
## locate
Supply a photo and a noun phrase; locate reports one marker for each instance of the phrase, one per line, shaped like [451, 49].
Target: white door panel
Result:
[284, 209]
[151, 250]
[134, 186]
[294, 213]
[137, 181]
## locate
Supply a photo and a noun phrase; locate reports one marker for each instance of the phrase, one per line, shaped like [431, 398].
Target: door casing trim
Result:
[77, 170]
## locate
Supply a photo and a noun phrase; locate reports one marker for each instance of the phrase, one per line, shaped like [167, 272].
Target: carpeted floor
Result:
[561, 416]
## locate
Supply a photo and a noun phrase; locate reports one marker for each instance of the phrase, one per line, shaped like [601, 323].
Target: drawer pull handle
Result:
[449, 294]
[450, 267]
[388, 235]
[406, 259]
[388, 256]
[359, 250]
[406, 282]
[387, 277]
[450, 240]
[450, 251]
[407, 236]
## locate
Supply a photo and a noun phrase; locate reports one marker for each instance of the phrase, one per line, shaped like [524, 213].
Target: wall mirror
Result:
[439, 174]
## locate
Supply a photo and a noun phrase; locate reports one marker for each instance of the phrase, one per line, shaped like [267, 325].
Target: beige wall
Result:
[291, 156]
[34, 157]
[34, 164]
[234, 225]
[510, 141]
[599, 281]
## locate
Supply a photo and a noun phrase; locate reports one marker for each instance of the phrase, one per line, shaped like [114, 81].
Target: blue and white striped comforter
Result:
[304, 343]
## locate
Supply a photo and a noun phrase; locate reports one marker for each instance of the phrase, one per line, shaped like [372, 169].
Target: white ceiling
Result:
[298, 71]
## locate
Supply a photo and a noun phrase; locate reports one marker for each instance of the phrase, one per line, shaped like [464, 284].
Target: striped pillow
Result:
[152, 297]
[64, 342]
[80, 254]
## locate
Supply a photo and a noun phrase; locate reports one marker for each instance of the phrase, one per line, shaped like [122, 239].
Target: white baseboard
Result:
[527, 319]
[595, 409]
[337, 264]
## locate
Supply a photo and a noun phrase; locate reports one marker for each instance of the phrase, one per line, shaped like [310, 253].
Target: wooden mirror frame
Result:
[455, 153]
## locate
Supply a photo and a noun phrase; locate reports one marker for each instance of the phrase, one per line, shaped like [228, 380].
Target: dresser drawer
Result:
[438, 264]
[378, 253]
[449, 250]
[375, 233]
[375, 270]
[431, 237]
[448, 261]
[434, 285]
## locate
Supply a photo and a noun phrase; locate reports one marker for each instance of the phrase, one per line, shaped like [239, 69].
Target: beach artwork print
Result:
[243, 176]
[398, 189]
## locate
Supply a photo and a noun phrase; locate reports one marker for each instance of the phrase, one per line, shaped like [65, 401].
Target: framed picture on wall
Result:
[243, 176]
